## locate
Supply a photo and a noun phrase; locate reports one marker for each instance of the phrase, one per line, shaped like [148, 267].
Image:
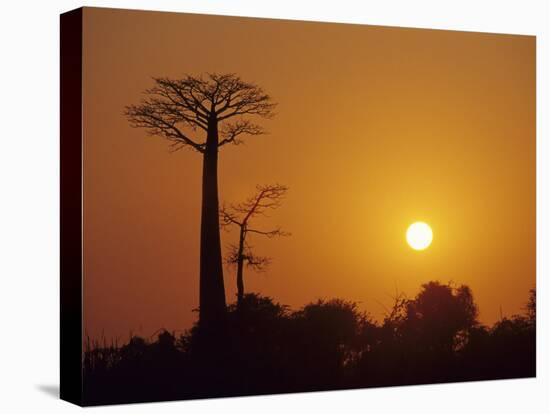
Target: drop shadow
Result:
[50, 389]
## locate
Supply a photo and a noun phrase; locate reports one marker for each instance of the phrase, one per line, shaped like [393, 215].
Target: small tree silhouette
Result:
[219, 105]
[266, 197]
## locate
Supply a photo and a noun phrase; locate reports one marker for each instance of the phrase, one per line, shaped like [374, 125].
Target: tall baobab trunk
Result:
[240, 262]
[175, 109]
[212, 293]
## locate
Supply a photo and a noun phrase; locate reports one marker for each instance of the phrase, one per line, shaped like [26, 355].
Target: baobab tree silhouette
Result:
[220, 105]
[266, 197]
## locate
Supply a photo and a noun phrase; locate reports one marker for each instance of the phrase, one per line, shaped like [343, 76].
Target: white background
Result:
[29, 207]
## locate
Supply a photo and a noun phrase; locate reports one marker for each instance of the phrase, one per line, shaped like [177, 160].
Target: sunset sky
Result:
[376, 128]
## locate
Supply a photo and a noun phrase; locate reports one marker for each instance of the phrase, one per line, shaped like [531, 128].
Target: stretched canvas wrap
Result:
[256, 206]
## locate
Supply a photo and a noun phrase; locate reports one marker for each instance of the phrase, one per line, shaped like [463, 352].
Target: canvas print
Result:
[274, 206]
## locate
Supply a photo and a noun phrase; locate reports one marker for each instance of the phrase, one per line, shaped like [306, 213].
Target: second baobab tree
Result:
[241, 216]
[204, 114]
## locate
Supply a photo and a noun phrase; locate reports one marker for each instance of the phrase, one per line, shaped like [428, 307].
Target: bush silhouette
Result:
[437, 315]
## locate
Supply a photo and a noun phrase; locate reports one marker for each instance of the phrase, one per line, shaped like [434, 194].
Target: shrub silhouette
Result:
[327, 344]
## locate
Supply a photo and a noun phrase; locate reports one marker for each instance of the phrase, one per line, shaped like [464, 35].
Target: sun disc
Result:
[419, 235]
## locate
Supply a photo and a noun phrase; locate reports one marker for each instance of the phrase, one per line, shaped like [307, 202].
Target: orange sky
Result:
[376, 127]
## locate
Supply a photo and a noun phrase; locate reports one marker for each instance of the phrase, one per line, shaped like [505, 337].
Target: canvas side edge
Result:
[71, 381]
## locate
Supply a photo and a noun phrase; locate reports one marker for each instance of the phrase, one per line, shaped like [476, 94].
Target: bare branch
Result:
[228, 217]
[232, 256]
[237, 97]
[278, 232]
[158, 120]
[257, 263]
[267, 197]
[231, 131]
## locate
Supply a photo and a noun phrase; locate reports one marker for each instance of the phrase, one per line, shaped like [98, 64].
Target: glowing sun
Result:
[419, 235]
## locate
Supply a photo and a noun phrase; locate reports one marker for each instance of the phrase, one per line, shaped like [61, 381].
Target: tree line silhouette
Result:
[434, 337]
